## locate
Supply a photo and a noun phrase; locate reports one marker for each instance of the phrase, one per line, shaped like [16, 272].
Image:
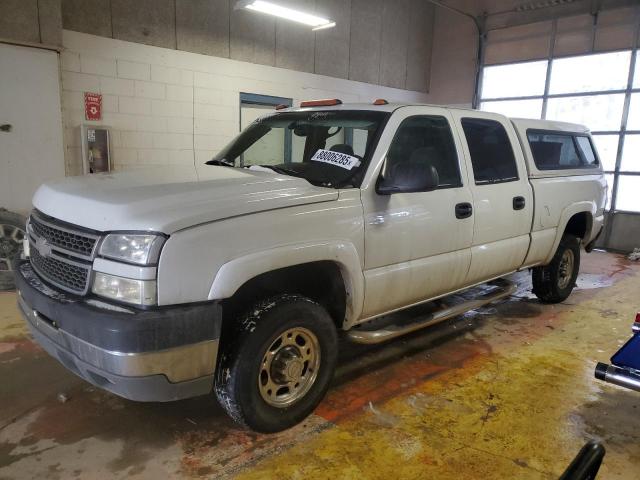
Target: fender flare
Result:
[235, 273]
[565, 216]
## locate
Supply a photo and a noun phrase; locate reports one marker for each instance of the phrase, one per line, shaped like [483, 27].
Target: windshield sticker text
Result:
[336, 158]
[320, 115]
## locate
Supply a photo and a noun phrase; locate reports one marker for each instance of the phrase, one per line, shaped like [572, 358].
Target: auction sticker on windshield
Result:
[336, 158]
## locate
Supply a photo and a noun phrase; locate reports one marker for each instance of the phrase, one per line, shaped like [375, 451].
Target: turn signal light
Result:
[329, 102]
[381, 101]
[281, 106]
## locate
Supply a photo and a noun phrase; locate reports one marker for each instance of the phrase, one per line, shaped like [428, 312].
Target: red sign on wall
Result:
[92, 106]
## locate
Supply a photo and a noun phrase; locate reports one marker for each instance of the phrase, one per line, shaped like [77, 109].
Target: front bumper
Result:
[161, 354]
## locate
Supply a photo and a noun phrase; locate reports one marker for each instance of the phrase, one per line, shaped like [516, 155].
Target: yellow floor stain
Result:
[11, 325]
[522, 411]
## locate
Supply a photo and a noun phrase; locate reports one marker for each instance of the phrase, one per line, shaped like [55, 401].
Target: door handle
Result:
[464, 210]
[518, 203]
[6, 127]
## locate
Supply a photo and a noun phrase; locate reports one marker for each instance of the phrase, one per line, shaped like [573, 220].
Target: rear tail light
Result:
[328, 102]
[638, 317]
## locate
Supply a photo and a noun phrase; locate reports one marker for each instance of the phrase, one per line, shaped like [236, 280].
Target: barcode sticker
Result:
[336, 158]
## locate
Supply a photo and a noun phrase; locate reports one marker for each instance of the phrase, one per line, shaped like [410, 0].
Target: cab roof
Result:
[520, 123]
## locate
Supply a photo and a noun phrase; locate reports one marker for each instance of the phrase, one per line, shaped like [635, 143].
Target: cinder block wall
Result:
[31, 21]
[375, 41]
[172, 107]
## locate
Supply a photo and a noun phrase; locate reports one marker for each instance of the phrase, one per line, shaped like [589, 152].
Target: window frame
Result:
[632, 87]
[460, 183]
[574, 138]
[513, 153]
[262, 100]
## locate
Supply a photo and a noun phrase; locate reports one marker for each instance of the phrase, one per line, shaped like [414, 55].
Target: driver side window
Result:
[425, 142]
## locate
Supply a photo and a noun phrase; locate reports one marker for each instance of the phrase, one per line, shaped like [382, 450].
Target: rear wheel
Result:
[276, 363]
[553, 283]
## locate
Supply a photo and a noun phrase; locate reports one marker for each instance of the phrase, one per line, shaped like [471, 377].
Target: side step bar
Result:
[617, 376]
[497, 289]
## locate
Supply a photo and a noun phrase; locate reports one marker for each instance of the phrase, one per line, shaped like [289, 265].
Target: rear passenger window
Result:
[491, 152]
[560, 151]
[428, 142]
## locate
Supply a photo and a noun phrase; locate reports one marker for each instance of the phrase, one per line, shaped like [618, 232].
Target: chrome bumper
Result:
[177, 364]
[145, 355]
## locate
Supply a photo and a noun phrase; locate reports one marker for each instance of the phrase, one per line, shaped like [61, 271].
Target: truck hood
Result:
[172, 198]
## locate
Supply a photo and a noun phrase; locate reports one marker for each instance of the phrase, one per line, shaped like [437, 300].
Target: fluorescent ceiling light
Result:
[318, 23]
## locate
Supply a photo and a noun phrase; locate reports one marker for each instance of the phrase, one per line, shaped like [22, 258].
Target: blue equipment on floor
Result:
[625, 364]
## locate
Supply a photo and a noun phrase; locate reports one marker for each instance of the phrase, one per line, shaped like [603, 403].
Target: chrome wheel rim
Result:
[289, 367]
[565, 270]
[10, 245]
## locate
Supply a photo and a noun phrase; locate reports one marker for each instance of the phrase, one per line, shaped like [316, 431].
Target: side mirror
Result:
[407, 177]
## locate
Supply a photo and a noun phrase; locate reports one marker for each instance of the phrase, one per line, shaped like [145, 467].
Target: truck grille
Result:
[61, 254]
[67, 239]
[72, 278]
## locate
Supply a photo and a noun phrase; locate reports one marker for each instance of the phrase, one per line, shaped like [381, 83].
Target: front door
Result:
[502, 194]
[416, 244]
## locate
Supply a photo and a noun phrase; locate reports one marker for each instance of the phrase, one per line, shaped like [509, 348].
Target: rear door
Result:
[502, 194]
[416, 244]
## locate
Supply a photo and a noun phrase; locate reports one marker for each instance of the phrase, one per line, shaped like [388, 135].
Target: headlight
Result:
[138, 292]
[141, 249]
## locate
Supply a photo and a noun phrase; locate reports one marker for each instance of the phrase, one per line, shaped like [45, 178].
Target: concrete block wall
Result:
[171, 107]
[31, 21]
[375, 41]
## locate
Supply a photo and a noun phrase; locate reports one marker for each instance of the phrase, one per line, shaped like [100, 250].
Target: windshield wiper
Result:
[282, 170]
[220, 163]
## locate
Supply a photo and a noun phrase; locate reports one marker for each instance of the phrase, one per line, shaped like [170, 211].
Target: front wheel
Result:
[276, 363]
[553, 283]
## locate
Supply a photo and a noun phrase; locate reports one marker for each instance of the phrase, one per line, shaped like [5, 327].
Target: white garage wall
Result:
[172, 107]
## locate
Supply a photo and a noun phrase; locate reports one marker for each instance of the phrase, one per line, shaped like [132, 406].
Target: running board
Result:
[492, 291]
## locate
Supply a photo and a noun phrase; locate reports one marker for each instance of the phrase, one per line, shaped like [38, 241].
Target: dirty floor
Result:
[503, 392]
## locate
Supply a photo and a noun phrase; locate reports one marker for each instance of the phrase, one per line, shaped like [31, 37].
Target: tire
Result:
[554, 282]
[259, 363]
[12, 231]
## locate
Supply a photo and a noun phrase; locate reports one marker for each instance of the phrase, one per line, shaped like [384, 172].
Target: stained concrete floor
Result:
[506, 391]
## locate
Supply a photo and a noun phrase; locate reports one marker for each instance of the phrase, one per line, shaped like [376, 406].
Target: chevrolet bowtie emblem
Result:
[43, 247]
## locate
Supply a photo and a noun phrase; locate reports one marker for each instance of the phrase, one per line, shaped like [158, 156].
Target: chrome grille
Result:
[75, 241]
[71, 277]
[61, 254]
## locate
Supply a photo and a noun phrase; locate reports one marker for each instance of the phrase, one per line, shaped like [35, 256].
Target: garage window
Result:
[599, 90]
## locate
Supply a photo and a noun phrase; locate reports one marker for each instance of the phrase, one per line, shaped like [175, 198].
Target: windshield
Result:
[327, 148]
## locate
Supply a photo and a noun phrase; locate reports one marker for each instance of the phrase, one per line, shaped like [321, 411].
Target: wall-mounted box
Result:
[96, 149]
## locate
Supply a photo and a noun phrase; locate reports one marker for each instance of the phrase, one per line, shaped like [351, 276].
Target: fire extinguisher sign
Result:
[92, 106]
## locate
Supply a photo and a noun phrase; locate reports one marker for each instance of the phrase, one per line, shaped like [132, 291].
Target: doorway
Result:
[31, 147]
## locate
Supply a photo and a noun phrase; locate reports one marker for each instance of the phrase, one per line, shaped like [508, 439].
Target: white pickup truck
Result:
[235, 277]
